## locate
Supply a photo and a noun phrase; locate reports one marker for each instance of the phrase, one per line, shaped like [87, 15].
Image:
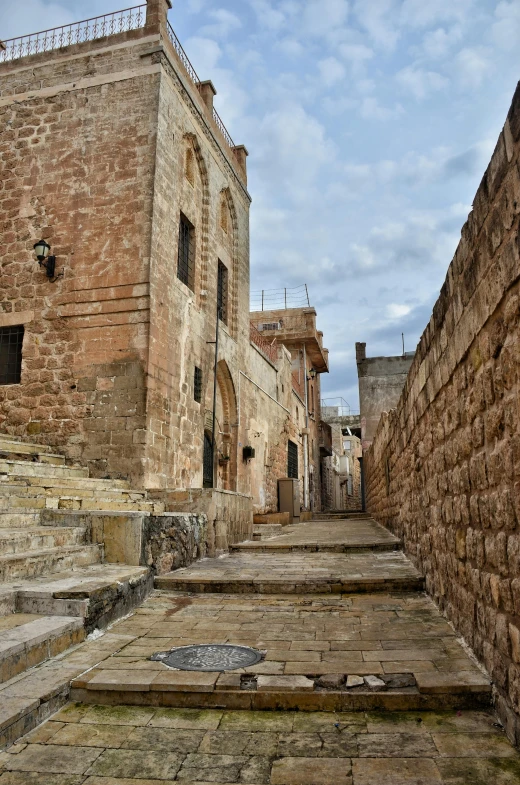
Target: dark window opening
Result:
[207, 480]
[186, 257]
[197, 384]
[11, 339]
[292, 460]
[222, 292]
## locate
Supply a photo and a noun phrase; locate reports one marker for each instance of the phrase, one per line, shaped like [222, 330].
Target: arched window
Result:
[189, 169]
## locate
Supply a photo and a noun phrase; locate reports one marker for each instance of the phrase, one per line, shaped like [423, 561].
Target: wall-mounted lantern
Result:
[312, 375]
[41, 249]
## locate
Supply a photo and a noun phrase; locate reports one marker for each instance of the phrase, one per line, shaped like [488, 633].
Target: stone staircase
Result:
[33, 479]
[55, 587]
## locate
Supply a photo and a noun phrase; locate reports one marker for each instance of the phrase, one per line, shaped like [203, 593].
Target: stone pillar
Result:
[156, 15]
[241, 156]
[361, 352]
[207, 92]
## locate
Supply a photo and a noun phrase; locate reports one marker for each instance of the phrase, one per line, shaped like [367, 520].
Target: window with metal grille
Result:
[197, 384]
[186, 257]
[222, 292]
[269, 326]
[11, 340]
[292, 460]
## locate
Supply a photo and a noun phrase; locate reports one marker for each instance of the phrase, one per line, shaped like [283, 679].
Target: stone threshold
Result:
[316, 547]
[201, 585]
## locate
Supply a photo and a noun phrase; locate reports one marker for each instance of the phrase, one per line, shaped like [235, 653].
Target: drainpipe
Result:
[215, 401]
[305, 437]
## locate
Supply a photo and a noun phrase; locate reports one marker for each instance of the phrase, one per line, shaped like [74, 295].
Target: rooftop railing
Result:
[98, 27]
[183, 57]
[75, 33]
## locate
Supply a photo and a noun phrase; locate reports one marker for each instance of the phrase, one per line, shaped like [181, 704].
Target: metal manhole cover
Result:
[209, 657]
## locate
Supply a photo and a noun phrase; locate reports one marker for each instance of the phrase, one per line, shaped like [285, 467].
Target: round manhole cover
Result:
[209, 657]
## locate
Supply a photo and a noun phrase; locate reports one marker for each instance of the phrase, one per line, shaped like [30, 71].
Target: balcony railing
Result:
[98, 27]
[266, 347]
[75, 33]
[183, 57]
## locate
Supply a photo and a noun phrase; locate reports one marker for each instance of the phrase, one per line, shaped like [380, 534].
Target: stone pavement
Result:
[360, 666]
[99, 745]
[341, 536]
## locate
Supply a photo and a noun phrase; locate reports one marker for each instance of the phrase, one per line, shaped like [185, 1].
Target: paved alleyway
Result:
[339, 697]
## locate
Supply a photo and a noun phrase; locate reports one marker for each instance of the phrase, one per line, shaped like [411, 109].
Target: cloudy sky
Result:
[369, 125]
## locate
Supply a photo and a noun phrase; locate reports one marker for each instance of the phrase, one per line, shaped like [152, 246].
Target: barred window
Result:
[292, 460]
[197, 384]
[222, 292]
[11, 340]
[186, 258]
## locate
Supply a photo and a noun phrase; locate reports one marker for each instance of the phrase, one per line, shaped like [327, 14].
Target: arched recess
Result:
[226, 430]
[193, 145]
[233, 245]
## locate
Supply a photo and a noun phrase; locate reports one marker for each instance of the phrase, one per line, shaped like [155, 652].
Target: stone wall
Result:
[444, 469]
[82, 178]
[381, 381]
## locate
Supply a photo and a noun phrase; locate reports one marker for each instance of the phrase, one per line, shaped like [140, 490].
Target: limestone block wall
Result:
[76, 166]
[443, 471]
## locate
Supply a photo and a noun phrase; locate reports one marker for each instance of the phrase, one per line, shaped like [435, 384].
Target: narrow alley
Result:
[361, 680]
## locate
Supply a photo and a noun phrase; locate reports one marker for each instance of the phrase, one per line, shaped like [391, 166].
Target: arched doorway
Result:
[226, 429]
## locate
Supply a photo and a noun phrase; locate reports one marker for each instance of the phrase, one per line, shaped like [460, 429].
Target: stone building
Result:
[341, 472]
[295, 329]
[443, 471]
[114, 155]
[381, 380]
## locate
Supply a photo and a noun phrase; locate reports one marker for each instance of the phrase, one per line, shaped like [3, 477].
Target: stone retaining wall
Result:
[443, 472]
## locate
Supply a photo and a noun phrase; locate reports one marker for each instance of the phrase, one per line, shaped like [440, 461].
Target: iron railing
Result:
[75, 33]
[277, 299]
[98, 27]
[183, 57]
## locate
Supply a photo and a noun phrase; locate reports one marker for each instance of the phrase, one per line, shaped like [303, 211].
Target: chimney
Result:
[361, 353]
[207, 92]
[157, 15]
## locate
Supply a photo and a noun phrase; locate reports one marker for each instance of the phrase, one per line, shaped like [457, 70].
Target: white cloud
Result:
[18, 19]
[331, 71]
[473, 65]
[322, 17]
[419, 13]
[371, 109]
[420, 83]
[267, 16]
[397, 311]
[224, 23]
[204, 53]
[506, 30]
[437, 43]
[290, 47]
[377, 17]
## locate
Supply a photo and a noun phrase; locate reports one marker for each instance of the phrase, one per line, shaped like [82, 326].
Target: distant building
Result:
[341, 472]
[381, 381]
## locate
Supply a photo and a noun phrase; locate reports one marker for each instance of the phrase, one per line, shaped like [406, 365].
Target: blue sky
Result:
[369, 125]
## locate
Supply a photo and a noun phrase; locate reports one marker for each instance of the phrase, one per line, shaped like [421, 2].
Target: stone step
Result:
[19, 520]
[34, 469]
[32, 564]
[266, 530]
[28, 639]
[10, 447]
[105, 685]
[34, 504]
[38, 538]
[13, 444]
[99, 593]
[16, 487]
[296, 573]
